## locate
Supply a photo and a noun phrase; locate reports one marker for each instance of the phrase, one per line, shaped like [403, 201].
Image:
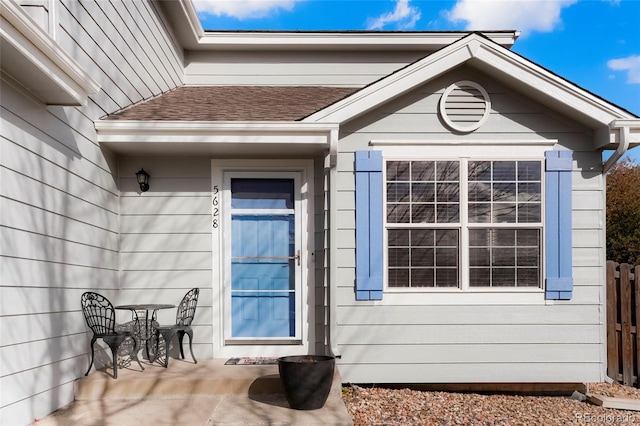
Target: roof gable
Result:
[509, 68]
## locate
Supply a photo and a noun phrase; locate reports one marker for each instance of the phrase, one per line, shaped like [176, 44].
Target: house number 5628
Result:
[216, 207]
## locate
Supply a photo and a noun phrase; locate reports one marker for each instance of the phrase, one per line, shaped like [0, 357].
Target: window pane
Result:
[446, 257]
[479, 191]
[528, 170]
[423, 213]
[504, 192]
[422, 170]
[422, 237]
[503, 277]
[479, 213]
[422, 277]
[529, 191]
[448, 213]
[398, 277]
[447, 277]
[529, 213]
[398, 257]
[504, 237]
[528, 237]
[422, 192]
[422, 257]
[504, 213]
[528, 277]
[262, 193]
[527, 257]
[397, 170]
[447, 192]
[398, 213]
[479, 277]
[479, 237]
[503, 256]
[479, 257]
[397, 192]
[447, 237]
[448, 170]
[504, 170]
[480, 171]
[398, 237]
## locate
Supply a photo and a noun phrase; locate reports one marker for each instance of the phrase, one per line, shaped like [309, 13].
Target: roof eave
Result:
[188, 30]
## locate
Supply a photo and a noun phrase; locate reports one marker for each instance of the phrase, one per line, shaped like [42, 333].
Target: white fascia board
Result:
[336, 41]
[205, 137]
[491, 58]
[35, 60]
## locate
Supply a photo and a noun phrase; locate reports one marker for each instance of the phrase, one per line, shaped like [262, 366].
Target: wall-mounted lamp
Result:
[143, 180]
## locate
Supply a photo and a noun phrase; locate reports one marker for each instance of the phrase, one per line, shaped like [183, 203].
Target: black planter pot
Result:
[306, 380]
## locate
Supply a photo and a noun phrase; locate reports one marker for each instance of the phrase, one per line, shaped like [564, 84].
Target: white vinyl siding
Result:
[484, 336]
[59, 201]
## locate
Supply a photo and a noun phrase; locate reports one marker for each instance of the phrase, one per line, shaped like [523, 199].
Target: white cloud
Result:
[522, 15]
[403, 16]
[242, 9]
[631, 64]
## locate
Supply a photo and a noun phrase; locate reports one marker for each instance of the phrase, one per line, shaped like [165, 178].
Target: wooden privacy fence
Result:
[623, 317]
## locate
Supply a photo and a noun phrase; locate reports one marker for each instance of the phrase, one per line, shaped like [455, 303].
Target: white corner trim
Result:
[20, 32]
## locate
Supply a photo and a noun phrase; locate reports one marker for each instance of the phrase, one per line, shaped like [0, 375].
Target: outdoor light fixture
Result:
[143, 180]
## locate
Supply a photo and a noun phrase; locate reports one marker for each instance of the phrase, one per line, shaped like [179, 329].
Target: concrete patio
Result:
[206, 393]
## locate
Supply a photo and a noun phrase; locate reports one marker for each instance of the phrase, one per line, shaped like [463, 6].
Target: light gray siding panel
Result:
[184, 204]
[33, 408]
[40, 326]
[481, 334]
[358, 314]
[473, 353]
[351, 69]
[131, 243]
[166, 224]
[42, 273]
[175, 261]
[568, 372]
[151, 280]
[29, 355]
[23, 217]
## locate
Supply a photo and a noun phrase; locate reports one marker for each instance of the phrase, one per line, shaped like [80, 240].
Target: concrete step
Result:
[183, 378]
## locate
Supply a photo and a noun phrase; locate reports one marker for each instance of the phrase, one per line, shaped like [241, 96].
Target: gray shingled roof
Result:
[235, 103]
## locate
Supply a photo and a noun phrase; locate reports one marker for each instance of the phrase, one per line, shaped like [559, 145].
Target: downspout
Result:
[623, 145]
[331, 161]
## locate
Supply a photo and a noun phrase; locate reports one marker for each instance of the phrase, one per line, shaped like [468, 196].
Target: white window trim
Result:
[470, 151]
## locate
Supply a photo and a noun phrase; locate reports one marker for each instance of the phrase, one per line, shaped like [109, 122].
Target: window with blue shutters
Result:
[467, 224]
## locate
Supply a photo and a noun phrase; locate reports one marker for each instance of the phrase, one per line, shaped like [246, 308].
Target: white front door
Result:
[264, 260]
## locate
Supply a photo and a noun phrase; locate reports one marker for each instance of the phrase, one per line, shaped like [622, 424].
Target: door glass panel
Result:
[263, 262]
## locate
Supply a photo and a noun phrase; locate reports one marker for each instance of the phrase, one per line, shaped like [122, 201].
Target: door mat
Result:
[252, 361]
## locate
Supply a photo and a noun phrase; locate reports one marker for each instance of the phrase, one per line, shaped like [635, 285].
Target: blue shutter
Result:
[369, 225]
[559, 283]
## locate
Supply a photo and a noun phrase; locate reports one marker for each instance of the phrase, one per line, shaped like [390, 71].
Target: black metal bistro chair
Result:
[184, 316]
[101, 319]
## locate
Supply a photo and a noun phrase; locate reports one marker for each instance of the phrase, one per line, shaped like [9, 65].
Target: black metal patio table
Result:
[145, 332]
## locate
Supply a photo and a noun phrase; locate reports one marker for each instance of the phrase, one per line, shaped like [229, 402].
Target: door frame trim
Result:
[254, 347]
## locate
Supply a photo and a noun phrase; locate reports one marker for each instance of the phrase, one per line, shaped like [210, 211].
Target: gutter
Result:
[623, 145]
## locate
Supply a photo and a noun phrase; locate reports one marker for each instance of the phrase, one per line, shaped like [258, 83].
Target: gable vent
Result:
[465, 106]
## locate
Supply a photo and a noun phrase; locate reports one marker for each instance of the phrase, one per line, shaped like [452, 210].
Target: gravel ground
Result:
[380, 406]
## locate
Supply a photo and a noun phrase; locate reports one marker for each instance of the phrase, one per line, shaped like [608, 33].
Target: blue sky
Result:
[593, 43]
